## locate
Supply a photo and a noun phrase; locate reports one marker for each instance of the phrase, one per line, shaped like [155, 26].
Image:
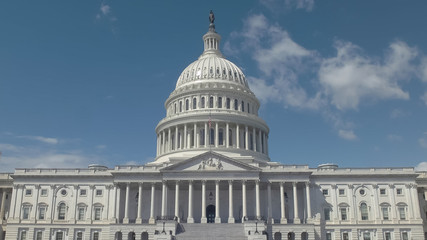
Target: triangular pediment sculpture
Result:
[210, 161]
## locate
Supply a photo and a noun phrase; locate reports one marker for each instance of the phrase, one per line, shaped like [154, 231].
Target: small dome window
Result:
[223, 71]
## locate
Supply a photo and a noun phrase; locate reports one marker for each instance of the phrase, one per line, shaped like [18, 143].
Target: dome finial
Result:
[211, 20]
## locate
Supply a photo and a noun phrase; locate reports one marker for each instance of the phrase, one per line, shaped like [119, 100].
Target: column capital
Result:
[153, 184]
[76, 186]
[164, 182]
[140, 184]
[230, 182]
[307, 184]
[282, 183]
[190, 181]
[334, 186]
[52, 186]
[294, 184]
[217, 181]
[257, 181]
[350, 186]
[203, 181]
[244, 181]
[177, 182]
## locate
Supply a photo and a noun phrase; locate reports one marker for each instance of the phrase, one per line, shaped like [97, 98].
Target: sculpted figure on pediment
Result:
[211, 164]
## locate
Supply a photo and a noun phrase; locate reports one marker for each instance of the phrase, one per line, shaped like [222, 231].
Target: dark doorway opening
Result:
[210, 213]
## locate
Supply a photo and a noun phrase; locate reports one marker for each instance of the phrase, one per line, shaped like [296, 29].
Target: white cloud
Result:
[424, 98]
[397, 113]
[105, 9]
[351, 77]
[423, 69]
[422, 166]
[347, 134]
[422, 142]
[276, 5]
[47, 140]
[394, 138]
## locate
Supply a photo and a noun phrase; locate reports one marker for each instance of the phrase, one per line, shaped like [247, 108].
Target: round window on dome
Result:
[63, 192]
[362, 192]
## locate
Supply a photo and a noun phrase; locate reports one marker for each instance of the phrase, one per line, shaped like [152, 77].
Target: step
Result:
[210, 231]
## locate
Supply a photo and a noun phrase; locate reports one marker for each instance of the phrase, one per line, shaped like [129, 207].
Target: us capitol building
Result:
[213, 179]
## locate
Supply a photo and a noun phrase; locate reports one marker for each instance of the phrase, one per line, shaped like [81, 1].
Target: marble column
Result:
[139, 208]
[230, 202]
[244, 213]
[237, 136]
[204, 219]
[217, 206]
[169, 146]
[152, 219]
[177, 201]
[217, 135]
[246, 138]
[3, 200]
[185, 136]
[269, 210]
[196, 143]
[254, 139]
[190, 218]
[206, 135]
[257, 203]
[392, 202]
[176, 138]
[307, 193]
[283, 219]
[415, 201]
[227, 135]
[163, 141]
[163, 199]
[126, 218]
[376, 202]
[117, 205]
[37, 188]
[296, 218]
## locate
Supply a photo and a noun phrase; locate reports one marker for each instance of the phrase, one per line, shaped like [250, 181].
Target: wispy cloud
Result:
[277, 5]
[397, 113]
[424, 98]
[105, 12]
[423, 142]
[47, 140]
[394, 138]
[347, 134]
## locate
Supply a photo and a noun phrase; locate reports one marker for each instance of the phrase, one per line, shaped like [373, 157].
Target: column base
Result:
[217, 220]
[190, 220]
[231, 220]
[297, 221]
[283, 221]
[151, 221]
[126, 220]
[270, 220]
[204, 220]
[138, 221]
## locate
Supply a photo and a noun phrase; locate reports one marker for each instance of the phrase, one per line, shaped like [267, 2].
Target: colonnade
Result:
[217, 134]
[231, 219]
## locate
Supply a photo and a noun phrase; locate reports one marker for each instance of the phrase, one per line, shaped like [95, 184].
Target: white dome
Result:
[211, 67]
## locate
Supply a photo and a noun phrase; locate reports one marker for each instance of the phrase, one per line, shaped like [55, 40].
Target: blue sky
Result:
[339, 81]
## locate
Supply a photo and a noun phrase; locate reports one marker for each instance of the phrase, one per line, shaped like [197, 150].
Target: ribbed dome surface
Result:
[212, 67]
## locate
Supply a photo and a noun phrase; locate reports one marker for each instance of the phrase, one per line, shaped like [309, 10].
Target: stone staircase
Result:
[210, 231]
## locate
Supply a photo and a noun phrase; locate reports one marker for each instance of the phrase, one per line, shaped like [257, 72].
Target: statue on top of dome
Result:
[211, 17]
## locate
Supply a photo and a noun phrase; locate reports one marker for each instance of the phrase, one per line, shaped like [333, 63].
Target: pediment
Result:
[210, 161]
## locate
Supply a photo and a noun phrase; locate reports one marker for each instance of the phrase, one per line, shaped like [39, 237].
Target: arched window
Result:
[219, 102]
[97, 211]
[343, 211]
[236, 104]
[26, 209]
[194, 103]
[364, 214]
[385, 210]
[144, 236]
[228, 103]
[304, 236]
[277, 236]
[221, 137]
[202, 103]
[291, 236]
[81, 211]
[62, 208]
[243, 106]
[187, 105]
[211, 102]
[42, 211]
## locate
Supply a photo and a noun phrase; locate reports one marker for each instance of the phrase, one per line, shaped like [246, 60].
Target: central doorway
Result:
[210, 213]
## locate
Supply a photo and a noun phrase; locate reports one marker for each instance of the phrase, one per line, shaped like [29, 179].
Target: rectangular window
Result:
[366, 236]
[387, 236]
[97, 213]
[42, 213]
[343, 211]
[96, 236]
[82, 192]
[79, 236]
[382, 191]
[26, 212]
[405, 236]
[325, 192]
[402, 214]
[327, 212]
[98, 192]
[345, 236]
[39, 235]
[341, 192]
[43, 192]
[59, 236]
[384, 210]
[28, 192]
[328, 236]
[399, 191]
[81, 213]
[24, 235]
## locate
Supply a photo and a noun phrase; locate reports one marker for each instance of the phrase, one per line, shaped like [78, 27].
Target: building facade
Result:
[213, 179]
